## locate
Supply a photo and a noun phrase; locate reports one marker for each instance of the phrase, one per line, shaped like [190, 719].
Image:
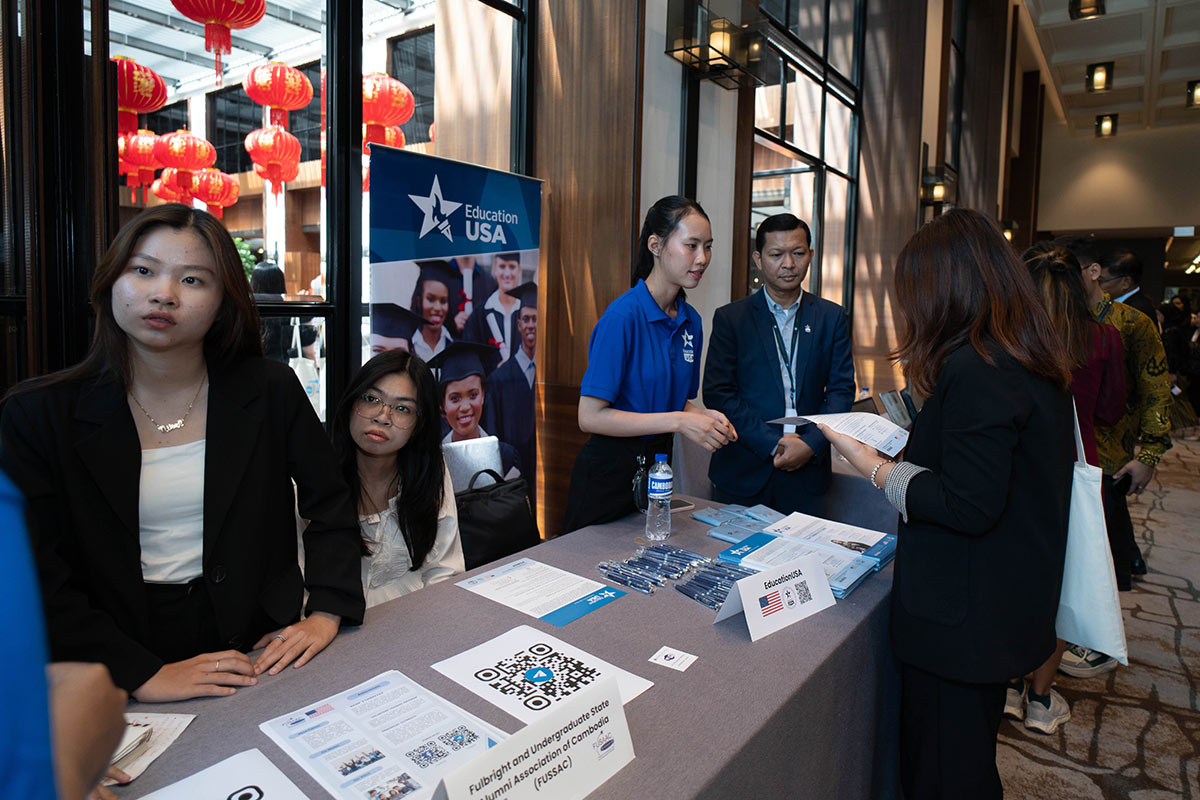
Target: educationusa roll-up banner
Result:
[454, 270]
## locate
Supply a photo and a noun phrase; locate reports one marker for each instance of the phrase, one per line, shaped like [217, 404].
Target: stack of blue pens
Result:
[635, 577]
[710, 584]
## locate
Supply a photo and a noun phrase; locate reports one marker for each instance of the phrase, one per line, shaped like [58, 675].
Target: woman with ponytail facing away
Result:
[644, 368]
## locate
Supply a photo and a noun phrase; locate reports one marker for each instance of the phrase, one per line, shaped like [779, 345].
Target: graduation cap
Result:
[527, 293]
[463, 359]
[440, 271]
[396, 322]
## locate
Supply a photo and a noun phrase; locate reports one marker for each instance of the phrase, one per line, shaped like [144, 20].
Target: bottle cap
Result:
[660, 457]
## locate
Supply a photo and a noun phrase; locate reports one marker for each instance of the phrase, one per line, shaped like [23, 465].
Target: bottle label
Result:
[660, 487]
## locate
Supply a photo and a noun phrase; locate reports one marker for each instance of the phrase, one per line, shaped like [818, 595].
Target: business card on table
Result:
[675, 659]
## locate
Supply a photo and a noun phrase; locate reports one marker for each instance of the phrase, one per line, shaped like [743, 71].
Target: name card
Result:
[567, 754]
[775, 598]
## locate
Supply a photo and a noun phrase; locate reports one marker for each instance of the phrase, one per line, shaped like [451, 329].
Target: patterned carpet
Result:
[1134, 733]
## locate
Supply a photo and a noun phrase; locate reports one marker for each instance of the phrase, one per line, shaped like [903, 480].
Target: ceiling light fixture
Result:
[1193, 94]
[1099, 77]
[1085, 9]
[1106, 125]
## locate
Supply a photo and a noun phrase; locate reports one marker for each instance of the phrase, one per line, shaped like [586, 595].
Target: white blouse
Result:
[387, 573]
[171, 513]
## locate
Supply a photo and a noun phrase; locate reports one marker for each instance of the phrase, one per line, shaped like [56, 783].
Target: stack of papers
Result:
[879, 547]
[146, 737]
[845, 570]
[734, 523]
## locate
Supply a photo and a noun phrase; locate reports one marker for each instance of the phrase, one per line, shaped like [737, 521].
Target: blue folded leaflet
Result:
[845, 570]
[734, 508]
[729, 533]
[714, 516]
[764, 514]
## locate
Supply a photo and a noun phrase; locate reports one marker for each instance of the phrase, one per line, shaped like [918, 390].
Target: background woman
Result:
[644, 368]
[387, 436]
[159, 475]
[1097, 361]
[431, 302]
[983, 495]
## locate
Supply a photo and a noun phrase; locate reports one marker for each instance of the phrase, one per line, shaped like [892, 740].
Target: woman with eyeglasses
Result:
[387, 435]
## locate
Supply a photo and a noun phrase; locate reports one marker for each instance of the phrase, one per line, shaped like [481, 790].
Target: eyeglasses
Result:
[368, 406]
[1109, 279]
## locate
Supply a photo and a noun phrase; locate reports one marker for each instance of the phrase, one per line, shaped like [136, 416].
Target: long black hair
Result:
[420, 469]
[662, 219]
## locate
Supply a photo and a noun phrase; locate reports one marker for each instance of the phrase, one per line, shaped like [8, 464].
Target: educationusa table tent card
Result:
[526, 672]
[565, 755]
[775, 598]
[247, 776]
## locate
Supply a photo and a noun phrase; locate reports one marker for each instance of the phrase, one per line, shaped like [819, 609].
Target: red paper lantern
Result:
[185, 153]
[216, 189]
[386, 102]
[281, 87]
[140, 90]
[137, 152]
[277, 152]
[392, 137]
[218, 16]
[164, 187]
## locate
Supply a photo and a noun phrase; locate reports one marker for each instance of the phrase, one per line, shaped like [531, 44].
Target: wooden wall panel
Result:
[587, 102]
[473, 82]
[889, 181]
[984, 104]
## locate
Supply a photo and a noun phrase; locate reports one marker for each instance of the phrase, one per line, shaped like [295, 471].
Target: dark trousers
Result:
[779, 494]
[948, 737]
[182, 621]
[1120, 529]
[602, 478]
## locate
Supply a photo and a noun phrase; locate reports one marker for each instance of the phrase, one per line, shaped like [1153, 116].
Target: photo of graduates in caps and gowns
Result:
[474, 320]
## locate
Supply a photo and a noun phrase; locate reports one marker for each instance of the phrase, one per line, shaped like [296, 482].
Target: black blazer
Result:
[979, 563]
[742, 380]
[73, 449]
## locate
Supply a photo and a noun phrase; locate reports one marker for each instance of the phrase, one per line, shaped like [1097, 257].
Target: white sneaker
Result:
[1014, 700]
[1047, 719]
[1080, 662]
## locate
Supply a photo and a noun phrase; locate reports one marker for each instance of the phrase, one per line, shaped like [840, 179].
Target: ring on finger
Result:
[280, 637]
[217, 668]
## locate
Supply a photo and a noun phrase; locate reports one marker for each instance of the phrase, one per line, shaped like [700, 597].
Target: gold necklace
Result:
[177, 424]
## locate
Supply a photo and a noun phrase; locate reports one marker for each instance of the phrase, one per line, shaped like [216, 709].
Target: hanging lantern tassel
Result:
[218, 16]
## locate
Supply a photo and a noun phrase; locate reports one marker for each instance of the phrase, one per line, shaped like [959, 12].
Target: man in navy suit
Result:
[779, 352]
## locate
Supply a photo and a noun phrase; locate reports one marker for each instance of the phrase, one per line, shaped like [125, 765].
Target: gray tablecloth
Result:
[810, 711]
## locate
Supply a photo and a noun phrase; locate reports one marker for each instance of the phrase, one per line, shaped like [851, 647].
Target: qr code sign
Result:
[803, 593]
[427, 754]
[458, 738]
[539, 675]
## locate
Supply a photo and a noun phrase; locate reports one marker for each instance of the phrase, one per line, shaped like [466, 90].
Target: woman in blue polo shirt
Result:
[643, 368]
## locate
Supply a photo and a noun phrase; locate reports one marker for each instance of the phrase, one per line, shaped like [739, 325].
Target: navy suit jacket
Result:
[742, 380]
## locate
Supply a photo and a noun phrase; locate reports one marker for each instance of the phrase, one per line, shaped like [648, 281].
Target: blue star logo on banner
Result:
[437, 211]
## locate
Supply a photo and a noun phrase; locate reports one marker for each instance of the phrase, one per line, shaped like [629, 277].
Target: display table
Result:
[810, 711]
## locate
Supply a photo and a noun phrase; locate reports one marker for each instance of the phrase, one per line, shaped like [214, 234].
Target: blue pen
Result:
[632, 583]
[629, 572]
[699, 598]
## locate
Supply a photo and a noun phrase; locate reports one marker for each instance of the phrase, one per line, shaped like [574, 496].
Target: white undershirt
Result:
[171, 513]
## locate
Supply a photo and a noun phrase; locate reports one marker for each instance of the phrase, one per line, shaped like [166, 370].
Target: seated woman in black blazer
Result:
[983, 491]
[158, 474]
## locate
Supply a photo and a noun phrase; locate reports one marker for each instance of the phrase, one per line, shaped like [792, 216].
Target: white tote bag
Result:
[1089, 610]
[306, 371]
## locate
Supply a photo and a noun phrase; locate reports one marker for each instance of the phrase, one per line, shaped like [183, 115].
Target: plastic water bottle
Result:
[658, 514]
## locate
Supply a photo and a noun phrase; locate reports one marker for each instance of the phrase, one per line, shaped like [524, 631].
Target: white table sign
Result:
[566, 755]
[247, 776]
[777, 597]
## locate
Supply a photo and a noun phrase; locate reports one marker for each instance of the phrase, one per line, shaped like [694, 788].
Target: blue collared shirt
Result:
[785, 318]
[640, 358]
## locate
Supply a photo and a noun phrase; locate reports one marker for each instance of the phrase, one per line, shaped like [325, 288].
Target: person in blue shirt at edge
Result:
[643, 368]
[779, 352]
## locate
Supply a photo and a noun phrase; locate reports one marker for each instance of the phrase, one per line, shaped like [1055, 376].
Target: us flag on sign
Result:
[770, 604]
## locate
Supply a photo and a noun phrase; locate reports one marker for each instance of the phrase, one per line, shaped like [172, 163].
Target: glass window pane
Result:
[841, 35]
[803, 111]
[768, 98]
[838, 119]
[833, 239]
[808, 23]
[780, 185]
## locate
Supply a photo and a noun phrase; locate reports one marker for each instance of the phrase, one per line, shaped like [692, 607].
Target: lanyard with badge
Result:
[789, 357]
